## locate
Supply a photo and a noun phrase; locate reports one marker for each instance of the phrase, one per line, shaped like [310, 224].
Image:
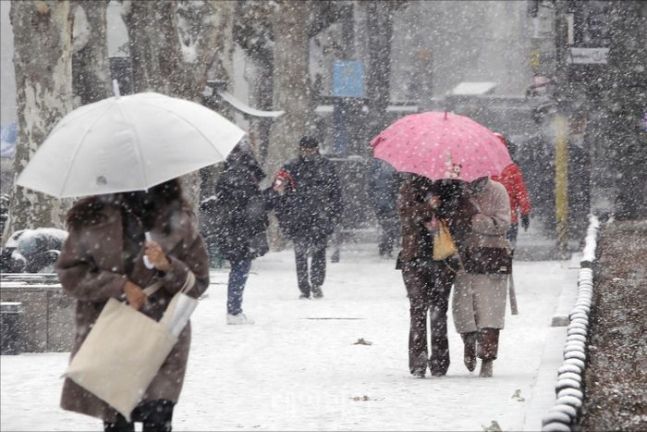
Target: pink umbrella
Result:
[441, 145]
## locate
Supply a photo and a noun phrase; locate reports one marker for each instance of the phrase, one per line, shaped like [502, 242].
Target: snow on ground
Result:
[298, 368]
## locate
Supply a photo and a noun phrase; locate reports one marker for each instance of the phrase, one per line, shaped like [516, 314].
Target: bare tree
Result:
[90, 68]
[154, 45]
[254, 34]
[43, 65]
[291, 84]
[206, 39]
[380, 33]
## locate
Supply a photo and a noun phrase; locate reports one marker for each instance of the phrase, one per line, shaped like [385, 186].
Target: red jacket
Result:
[512, 179]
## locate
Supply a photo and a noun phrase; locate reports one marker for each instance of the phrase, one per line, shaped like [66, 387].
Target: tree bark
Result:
[254, 34]
[43, 66]
[90, 67]
[205, 32]
[378, 77]
[154, 45]
[291, 85]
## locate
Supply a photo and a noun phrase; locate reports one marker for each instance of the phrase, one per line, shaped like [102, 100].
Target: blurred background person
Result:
[512, 179]
[240, 224]
[383, 188]
[309, 207]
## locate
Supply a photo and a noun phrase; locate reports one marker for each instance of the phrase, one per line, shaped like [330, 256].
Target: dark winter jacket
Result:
[311, 205]
[455, 209]
[240, 214]
[383, 188]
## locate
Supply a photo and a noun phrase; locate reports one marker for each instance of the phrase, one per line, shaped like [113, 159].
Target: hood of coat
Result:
[242, 166]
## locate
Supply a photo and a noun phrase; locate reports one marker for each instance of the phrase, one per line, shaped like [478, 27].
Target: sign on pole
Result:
[348, 78]
[588, 55]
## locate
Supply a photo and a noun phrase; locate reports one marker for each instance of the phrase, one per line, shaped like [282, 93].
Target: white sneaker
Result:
[239, 319]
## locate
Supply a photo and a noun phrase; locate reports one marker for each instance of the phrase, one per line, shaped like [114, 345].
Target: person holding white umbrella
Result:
[104, 256]
[134, 228]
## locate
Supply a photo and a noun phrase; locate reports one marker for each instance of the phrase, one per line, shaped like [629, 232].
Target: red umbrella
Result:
[441, 145]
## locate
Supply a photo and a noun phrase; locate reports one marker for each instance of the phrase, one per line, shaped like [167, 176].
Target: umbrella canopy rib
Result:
[176, 115]
[78, 148]
[138, 146]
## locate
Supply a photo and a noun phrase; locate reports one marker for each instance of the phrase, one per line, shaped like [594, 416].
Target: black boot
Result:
[488, 347]
[469, 353]
[439, 360]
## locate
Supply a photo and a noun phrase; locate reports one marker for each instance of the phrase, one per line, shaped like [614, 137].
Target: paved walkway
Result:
[299, 368]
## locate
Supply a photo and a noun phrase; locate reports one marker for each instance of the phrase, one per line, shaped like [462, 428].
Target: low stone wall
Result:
[47, 319]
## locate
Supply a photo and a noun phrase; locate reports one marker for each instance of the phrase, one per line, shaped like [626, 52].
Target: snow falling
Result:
[378, 215]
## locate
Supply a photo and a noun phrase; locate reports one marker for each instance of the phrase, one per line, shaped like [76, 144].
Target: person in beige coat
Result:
[103, 258]
[479, 299]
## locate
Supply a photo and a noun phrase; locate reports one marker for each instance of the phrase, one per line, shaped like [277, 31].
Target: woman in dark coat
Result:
[240, 224]
[428, 282]
[103, 258]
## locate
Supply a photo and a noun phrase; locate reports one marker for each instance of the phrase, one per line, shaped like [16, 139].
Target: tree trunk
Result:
[206, 41]
[263, 95]
[254, 34]
[90, 68]
[291, 90]
[291, 84]
[380, 32]
[627, 104]
[154, 45]
[43, 65]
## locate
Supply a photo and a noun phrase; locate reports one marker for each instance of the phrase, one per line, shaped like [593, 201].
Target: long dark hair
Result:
[146, 205]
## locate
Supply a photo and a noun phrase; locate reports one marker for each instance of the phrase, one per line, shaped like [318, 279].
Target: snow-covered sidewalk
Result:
[298, 367]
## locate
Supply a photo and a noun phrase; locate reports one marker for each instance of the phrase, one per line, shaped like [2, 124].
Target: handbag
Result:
[125, 349]
[488, 260]
[444, 246]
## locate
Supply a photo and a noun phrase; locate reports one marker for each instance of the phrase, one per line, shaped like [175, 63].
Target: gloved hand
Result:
[525, 222]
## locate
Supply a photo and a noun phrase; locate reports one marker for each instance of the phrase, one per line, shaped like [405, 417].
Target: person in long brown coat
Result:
[479, 299]
[428, 282]
[102, 258]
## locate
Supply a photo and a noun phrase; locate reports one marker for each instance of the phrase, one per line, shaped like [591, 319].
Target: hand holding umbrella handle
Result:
[149, 265]
[155, 256]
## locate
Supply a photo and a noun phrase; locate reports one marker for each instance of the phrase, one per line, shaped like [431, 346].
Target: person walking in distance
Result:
[308, 206]
[241, 222]
[512, 179]
[383, 188]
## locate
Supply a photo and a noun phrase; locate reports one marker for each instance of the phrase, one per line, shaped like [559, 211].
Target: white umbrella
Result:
[128, 143]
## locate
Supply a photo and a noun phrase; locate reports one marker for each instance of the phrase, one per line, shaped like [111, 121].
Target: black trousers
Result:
[428, 284]
[390, 233]
[156, 416]
[315, 275]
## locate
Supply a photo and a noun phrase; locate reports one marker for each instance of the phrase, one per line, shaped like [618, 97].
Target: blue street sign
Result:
[348, 78]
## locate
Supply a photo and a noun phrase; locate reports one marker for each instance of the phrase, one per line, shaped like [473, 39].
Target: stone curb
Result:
[569, 390]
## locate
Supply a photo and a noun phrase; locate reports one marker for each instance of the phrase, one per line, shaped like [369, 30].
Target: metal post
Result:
[561, 181]
[561, 127]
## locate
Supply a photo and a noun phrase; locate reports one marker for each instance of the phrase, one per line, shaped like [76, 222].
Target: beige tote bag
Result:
[123, 352]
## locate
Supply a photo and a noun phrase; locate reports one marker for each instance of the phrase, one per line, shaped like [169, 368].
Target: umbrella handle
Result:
[149, 265]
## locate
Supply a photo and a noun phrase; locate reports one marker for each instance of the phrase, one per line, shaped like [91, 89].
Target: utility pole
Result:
[561, 126]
